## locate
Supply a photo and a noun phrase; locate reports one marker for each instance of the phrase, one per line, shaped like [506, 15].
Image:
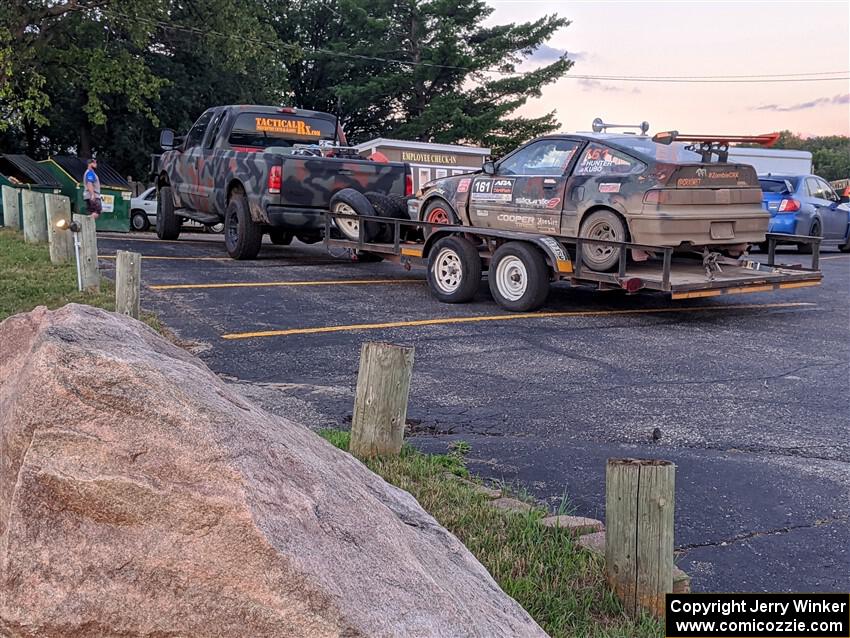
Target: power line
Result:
[815, 76]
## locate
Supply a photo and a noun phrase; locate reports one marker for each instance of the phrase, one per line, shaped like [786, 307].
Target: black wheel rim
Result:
[231, 229]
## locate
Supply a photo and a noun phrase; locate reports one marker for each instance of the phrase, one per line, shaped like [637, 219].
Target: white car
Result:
[143, 214]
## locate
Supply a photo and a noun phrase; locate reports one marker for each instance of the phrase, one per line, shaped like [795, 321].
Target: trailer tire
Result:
[353, 202]
[168, 224]
[454, 270]
[280, 237]
[602, 224]
[518, 277]
[386, 206]
[242, 235]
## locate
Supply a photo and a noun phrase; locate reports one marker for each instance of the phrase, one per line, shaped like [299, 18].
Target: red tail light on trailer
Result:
[275, 179]
[789, 206]
[408, 185]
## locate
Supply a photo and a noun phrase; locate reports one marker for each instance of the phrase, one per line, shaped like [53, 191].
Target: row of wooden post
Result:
[639, 493]
[41, 214]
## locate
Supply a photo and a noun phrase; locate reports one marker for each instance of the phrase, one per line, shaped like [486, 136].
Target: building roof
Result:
[76, 168]
[425, 146]
[26, 170]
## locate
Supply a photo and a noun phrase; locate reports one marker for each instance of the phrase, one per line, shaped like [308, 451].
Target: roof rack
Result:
[599, 126]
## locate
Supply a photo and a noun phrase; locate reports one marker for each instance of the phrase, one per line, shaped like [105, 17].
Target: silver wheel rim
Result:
[601, 229]
[349, 227]
[447, 271]
[511, 278]
[138, 222]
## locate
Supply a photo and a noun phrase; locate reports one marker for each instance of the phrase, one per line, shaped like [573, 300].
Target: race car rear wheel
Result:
[351, 202]
[168, 224]
[242, 235]
[454, 270]
[815, 231]
[518, 277]
[606, 225]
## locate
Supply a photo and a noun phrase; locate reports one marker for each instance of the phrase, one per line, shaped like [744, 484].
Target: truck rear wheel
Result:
[242, 235]
[351, 202]
[168, 224]
[606, 225]
[454, 270]
[518, 277]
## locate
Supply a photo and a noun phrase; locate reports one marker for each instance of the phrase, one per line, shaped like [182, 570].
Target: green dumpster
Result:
[114, 190]
[22, 172]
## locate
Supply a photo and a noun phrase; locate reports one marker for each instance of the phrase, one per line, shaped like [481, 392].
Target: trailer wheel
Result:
[518, 277]
[386, 206]
[242, 235]
[602, 224]
[454, 270]
[352, 202]
[280, 237]
[167, 222]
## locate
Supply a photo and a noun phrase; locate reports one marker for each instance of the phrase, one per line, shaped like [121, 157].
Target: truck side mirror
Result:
[489, 168]
[166, 139]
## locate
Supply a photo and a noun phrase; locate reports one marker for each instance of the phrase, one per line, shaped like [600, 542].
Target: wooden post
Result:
[35, 219]
[639, 497]
[88, 253]
[128, 275]
[61, 240]
[380, 402]
[11, 208]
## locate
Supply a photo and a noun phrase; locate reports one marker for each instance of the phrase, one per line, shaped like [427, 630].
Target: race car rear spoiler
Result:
[708, 145]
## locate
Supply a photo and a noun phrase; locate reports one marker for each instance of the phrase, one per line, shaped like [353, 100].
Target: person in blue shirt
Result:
[91, 195]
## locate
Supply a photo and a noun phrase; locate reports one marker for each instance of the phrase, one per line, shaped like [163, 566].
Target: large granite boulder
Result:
[140, 496]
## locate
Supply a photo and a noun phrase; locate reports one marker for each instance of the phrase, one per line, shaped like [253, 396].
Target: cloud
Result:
[545, 53]
[802, 106]
[595, 85]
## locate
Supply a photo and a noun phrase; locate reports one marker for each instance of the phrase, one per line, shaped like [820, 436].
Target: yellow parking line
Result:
[260, 284]
[160, 257]
[505, 317]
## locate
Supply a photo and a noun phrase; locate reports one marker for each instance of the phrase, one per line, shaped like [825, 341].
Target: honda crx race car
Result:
[607, 186]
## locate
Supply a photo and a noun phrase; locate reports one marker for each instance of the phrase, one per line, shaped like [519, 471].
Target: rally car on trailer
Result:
[616, 186]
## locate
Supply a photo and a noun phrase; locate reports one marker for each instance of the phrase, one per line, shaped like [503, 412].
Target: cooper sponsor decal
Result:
[496, 190]
[526, 221]
[538, 203]
[463, 185]
[609, 187]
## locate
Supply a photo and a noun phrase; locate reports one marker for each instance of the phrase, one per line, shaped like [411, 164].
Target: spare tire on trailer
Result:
[352, 202]
[386, 206]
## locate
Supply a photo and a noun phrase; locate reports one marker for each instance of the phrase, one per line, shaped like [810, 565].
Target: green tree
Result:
[420, 69]
[830, 153]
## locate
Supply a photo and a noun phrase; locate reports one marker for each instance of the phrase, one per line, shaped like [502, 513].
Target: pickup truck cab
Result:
[262, 169]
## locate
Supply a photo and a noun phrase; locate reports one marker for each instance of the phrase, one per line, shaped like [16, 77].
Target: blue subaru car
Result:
[806, 205]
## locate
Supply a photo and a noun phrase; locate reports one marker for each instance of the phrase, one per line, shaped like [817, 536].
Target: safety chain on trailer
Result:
[711, 263]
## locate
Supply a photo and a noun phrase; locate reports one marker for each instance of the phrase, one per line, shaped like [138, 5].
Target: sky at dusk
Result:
[695, 38]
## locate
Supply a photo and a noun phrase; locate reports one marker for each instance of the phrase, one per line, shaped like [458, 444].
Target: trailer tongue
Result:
[524, 281]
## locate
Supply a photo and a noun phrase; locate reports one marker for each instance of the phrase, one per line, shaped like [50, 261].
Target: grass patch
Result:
[28, 279]
[561, 586]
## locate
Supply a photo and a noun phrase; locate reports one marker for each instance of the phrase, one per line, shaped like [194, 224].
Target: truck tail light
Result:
[789, 206]
[275, 179]
[408, 185]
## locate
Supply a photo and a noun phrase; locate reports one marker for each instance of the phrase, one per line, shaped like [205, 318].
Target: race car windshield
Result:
[660, 152]
[264, 130]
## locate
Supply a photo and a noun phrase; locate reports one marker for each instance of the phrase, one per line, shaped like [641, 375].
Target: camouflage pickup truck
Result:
[265, 169]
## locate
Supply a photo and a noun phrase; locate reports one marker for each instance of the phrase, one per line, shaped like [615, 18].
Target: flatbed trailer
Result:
[522, 265]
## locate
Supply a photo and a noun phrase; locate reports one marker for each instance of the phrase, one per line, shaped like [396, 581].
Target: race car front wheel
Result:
[603, 225]
[454, 270]
[518, 277]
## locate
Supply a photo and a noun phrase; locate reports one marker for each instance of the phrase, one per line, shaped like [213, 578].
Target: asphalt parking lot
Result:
[750, 392]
